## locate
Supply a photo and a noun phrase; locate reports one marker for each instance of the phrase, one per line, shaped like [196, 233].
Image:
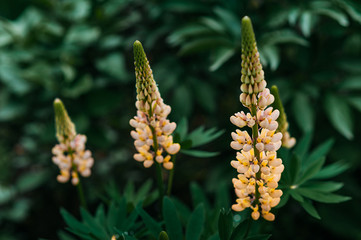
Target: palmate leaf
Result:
[152, 225]
[339, 114]
[200, 136]
[225, 224]
[332, 170]
[321, 196]
[195, 223]
[171, 219]
[307, 205]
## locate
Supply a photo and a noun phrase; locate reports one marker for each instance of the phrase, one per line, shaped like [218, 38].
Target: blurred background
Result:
[81, 52]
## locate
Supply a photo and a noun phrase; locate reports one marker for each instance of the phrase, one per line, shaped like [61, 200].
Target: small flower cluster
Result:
[257, 164]
[152, 135]
[70, 154]
[71, 157]
[287, 140]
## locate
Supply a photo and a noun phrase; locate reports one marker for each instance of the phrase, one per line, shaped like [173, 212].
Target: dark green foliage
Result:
[81, 52]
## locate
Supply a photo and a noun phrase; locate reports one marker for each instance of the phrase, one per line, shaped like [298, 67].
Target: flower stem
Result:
[171, 175]
[81, 195]
[256, 153]
[158, 167]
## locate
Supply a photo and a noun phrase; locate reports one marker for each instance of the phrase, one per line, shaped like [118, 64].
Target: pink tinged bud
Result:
[275, 114]
[255, 215]
[247, 147]
[168, 165]
[277, 137]
[238, 121]
[244, 88]
[169, 128]
[235, 164]
[260, 146]
[236, 145]
[266, 207]
[254, 99]
[242, 169]
[276, 193]
[134, 135]
[265, 170]
[75, 181]
[139, 157]
[276, 162]
[242, 98]
[279, 169]
[256, 89]
[273, 126]
[148, 163]
[173, 149]
[62, 178]
[149, 142]
[275, 201]
[248, 100]
[237, 207]
[250, 89]
[255, 168]
[277, 145]
[133, 123]
[270, 147]
[86, 172]
[269, 216]
[139, 143]
[261, 86]
[272, 184]
[159, 159]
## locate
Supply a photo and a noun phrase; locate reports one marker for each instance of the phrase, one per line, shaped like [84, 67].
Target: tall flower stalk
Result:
[257, 163]
[70, 154]
[152, 134]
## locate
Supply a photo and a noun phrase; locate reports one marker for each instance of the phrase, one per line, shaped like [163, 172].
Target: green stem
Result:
[158, 168]
[171, 175]
[256, 153]
[81, 195]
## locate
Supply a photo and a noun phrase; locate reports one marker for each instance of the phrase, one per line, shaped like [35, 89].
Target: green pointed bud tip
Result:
[248, 38]
[163, 236]
[64, 126]
[277, 104]
[140, 57]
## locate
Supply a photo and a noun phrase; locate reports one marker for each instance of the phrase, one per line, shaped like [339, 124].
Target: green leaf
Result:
[31, 180]
[182, 128]
[172, 223]
[311, 170]
[143, 191]
[295, 167]
[303, 109]
[303, 145]
[306, 23]
[320, 151]
[295, 195]
[340, 115]
[195, 223]
[323, 186]
[240, 231]
[180, 35]
[222, 56]
[225, 224]
[152, 225]
[332, 170]
[271, 53]
[200, 136]
[203, 44]
[114, 65]
[95, 227]
[73, 223]
[282, 36]
[198, 196]
[336, 15]
[321, 196]
[310, 209]
[259, 237]
[199, 153]
[351, 83]
[355, 102]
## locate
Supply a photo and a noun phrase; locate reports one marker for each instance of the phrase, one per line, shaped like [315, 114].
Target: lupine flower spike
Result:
[287, 140]
[70, 154]
[257, 163]
[152, 134]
